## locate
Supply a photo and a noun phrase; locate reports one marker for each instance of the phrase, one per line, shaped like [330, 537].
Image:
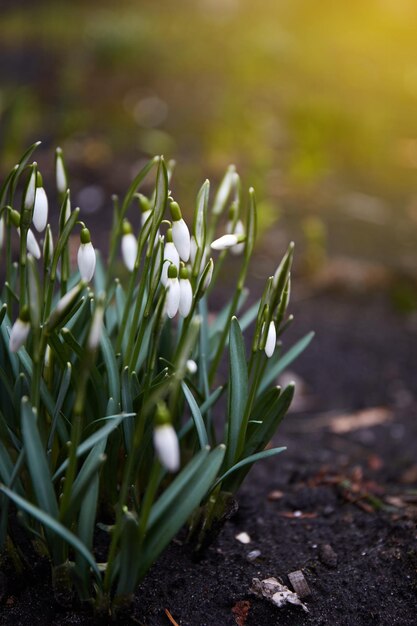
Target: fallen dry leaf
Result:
[275, 592]
[240, 611]
[375, 416]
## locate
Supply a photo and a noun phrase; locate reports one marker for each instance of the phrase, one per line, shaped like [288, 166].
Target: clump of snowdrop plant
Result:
[109, 382]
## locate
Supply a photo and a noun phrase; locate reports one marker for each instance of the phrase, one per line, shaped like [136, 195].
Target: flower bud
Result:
[30, 193]
[271, 340]
[180, 232]
[238, 229]
[64, 306]
[32, 245]
[227, 241]
[165, 440]
[20, 331]
[129, 246]
[86, 256]
[40, 209]
[191, 366]
[61, 176]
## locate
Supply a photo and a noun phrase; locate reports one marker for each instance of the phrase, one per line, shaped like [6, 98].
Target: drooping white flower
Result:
[61, 176]
[191, 366]
[129, 246]
[186, 293]
[180, 232]
[19, 334]
[86, 256]
[173, 293]
[271, 340]
[225, 242]
[40, 210]
[170, 256]
[238, 229]
[32, 245]
[166, 446]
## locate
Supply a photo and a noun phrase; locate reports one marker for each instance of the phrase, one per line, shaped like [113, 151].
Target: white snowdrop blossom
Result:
[180, 233]
[40, 210]
[166, 446]
[170, 256]
[239, 229]
[32, 245]
[191, 366]
[208, 276]
[61, 176]
[86, 256]
[19, 334]
[129, 250]
[271, 340]
[186, 296]
[144, 217]
[173, 294]
[225, 242]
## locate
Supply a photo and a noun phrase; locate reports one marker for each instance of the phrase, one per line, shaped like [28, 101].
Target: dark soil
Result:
[340, 507]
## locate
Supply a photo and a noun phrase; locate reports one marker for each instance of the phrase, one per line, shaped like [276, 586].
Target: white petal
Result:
[173, 297]
[191, 366]
[40, 210]
[129, 250]
[166, 446]
[181, 238]
[86, 258]
[238, 230]
[271, 340]
[227, 241]
[186, 297]
[144, 216]
[18, 334]
[171, 255]
[32, 245]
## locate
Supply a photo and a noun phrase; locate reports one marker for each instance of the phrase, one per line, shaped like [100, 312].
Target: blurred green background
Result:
[315, 103]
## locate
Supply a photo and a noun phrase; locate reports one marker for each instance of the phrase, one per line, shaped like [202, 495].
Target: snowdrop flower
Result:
[170, 256]
[86, 256]
[165, 439]
[64, 305]
[193, 249]
[173, 293]
[129, 246]
[166, 446]
[271, 340]
[238, 229]
[145, 208]
[180, 232]
[30, 193]
[226, 241]
[40, 209]
[61, 176]
[32, 245]
[20, 331]
[186, 293]
[191, 366]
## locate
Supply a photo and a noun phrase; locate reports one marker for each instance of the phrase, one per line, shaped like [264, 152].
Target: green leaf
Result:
[91, 441]
[88, 472]
[278, 363]
[127, 407]
[63, 388]
[197, 417]
[188, 498]
[129, 554]
[238, 391]
[36, 461]
[111, 366]
[54, 526]
[249, 460]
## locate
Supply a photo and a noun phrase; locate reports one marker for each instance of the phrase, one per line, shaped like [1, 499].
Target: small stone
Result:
[276, 494]
[243, 537]
[327, 555]
[253, 555]
[299, 584]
